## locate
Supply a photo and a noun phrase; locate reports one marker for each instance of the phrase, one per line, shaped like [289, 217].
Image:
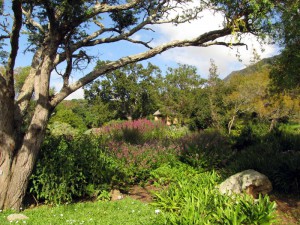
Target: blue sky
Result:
[225, 58]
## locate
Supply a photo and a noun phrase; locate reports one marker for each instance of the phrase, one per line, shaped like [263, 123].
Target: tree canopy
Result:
[286, 72]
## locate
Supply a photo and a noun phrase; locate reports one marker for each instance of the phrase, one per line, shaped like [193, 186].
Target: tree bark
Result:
[5, 168]
[230, 124]
[272, 125]
[18, 155]
[7, 136]
[22, 164]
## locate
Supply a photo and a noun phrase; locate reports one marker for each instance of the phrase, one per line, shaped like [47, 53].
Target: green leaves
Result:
[246, 16]
[129, 91]
[123, 19]
[192, 198]
[70, 168]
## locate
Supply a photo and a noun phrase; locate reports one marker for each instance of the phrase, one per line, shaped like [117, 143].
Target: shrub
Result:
[250, 134]
[282, 168]
[134, 132]
[139, 160]
[284, 138]
[205, 149]
[72, 168]
[59, 128]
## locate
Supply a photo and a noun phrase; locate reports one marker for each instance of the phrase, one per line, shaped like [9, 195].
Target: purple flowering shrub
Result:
[205, 149]
[139, 160]
[141, 145]
[134, 132]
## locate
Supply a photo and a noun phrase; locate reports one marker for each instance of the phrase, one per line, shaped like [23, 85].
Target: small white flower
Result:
[61, 214]
[133, 211]
[157, 211]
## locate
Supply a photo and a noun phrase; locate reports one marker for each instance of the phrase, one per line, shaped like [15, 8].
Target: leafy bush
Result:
[59, 128]
[206, 149]
[65, 115]
[141, 131]
[139, 160]
[284, 138]
[72, 168]
[249, 134]
[282, 168]
[194, 199]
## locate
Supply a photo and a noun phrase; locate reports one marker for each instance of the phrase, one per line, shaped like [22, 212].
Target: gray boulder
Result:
[248, 181]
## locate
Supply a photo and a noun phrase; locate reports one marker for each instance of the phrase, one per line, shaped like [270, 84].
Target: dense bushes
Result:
[70, 168]
[123, 153]
[141, 131]
[282, 168]
[275, 154]
[205, 149]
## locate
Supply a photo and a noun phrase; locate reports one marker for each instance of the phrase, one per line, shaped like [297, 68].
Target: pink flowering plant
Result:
[134, 132]
[139, 160]
[205, 149]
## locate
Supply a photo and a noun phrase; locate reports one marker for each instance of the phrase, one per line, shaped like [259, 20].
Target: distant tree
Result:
[243, 94]
[179, 89]
[21, 74]
[200, 113]
[250, 93]
[216, 89]
[64, 115]
[129, 92]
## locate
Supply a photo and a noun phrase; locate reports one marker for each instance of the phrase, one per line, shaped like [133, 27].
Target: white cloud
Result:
[56, 82]
[224, 57]
[136, 37]
[76, 95]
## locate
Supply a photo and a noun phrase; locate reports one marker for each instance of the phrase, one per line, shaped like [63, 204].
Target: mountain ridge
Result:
[266, 62]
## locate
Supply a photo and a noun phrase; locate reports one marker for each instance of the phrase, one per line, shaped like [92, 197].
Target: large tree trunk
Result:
[7, 135]
[17, 170]
[18, 154]
[5, 168]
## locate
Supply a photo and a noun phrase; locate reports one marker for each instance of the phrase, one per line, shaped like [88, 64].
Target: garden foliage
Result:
[193, 198]
[120, 154]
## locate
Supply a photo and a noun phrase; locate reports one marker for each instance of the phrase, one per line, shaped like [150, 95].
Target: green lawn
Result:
[126, 211]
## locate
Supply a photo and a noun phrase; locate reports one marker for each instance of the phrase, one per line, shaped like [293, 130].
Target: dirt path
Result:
[288, 209]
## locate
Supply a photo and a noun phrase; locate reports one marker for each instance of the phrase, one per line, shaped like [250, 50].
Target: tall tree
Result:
[179, 89]
[216, 93]
[130, 91]
[58, 33]
[286, 71]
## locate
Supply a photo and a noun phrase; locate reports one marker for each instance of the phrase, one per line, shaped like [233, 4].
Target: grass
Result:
[125, 212]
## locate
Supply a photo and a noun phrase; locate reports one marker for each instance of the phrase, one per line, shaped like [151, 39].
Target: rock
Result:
[248, 181]
[116, 195]
[13, 217]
